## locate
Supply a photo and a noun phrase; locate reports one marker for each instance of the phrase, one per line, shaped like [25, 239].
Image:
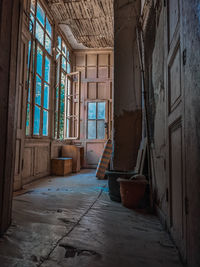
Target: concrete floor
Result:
[70, 221]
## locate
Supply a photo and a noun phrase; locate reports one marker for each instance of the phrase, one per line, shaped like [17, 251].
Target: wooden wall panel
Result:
[173, 11]
[28, 162]
[92, 91]
[37, 157]
[96, 67]
[174, 79]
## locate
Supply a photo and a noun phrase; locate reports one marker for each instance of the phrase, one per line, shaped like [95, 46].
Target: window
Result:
[64, 85]
[96, 119]
[39, 58]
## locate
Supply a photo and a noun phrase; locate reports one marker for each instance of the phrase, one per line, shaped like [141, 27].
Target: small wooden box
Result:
[73, 152]
[61, 166]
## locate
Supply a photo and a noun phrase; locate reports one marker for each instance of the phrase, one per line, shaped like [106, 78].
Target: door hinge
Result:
[184, 57]
[186, 206]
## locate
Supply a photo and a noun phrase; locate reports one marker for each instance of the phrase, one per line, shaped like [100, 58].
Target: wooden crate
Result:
[73, 152]
[61, 166]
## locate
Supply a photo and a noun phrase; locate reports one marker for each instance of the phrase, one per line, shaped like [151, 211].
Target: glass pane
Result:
[45, 123]
[46, 96]
[56, 125]
[67, 128]
[101, 110]
[29, 92]
[48, 27]
[68, 55]
[68, 68]
[28, 63]
[57, 98]
[64, 63]
[57, 53]
[28, 120]
[57, 72]
[47, 44]
[91, 111]
[91, 129]
[47, 70]
[39, 61]
[39, 33]
[38, 91]
[36, 128]
[62, 106]
[31, 23]
[100, 130]
[33, 6]
[64, 49]
[59, 42]
[40, 14]
[69, 87]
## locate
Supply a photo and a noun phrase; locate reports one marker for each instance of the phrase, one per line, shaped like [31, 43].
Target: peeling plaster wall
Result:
[127, 86]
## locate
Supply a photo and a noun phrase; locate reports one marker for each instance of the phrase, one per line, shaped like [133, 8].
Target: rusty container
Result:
[132, 192]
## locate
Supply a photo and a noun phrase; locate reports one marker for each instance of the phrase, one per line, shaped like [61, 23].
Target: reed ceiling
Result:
[91, 21]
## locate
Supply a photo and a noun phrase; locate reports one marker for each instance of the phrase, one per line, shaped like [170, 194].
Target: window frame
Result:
[57, 102]
[33, 72]
[106, 120]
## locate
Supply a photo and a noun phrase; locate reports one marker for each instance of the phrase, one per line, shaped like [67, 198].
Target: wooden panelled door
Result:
[96, 130]
[21, 98]
[175, 127]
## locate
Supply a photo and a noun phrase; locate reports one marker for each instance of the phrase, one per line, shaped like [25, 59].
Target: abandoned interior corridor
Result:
[99, 104]
[71, 221]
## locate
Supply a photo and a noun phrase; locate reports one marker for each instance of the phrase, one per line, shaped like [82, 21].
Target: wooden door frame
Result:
[10, 31]
[175, 117]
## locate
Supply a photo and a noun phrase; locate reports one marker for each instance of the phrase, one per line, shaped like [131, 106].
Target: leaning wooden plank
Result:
[104, 160]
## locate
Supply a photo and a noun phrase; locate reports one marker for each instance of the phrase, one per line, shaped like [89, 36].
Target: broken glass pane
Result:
[36, 128]
[91, 111]
[101, 110]
[91, 129]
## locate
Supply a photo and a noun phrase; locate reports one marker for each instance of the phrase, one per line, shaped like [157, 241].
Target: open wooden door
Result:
[175, 127]
[21, 99]
[10, 30]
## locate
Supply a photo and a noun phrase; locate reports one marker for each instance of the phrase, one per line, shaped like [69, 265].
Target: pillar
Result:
[127, 86]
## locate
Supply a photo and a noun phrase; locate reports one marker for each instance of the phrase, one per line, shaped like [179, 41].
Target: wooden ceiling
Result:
[91, 21]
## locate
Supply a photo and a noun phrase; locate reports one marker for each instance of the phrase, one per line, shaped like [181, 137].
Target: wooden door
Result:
[21, 99]
[97, 130]
[175, 127]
